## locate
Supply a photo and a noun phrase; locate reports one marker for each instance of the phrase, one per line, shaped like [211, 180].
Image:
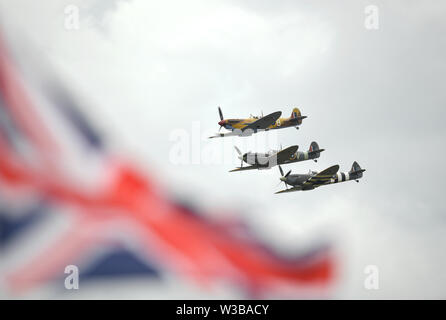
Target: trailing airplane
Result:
[254, 124]
[277, 157]
[313, 179]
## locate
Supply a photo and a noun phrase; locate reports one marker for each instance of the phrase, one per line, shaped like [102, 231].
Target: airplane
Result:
[277, 157]
[313, 179]
[254, 124]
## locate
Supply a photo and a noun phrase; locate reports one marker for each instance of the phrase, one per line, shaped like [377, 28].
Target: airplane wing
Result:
[284, 155]
[264, 122]
[322, 177]
[225, 134]
[244, 168]
[289, 190]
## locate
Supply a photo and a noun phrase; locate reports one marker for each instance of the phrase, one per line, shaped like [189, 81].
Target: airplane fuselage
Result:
[298, 180]
[264, 160]
[246, 127]
[240, 124]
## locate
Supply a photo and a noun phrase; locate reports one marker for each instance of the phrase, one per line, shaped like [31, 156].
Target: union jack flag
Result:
[68, 198]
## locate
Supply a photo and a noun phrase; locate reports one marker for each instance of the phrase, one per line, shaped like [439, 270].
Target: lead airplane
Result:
[277, 157]
[313, 179]
[253, 124]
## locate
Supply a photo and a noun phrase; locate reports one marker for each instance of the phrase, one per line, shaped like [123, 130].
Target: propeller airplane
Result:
[277, 157]
[254, 124]
[313, 179]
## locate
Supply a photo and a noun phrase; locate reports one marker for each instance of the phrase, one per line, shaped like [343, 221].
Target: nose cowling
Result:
[221, 123]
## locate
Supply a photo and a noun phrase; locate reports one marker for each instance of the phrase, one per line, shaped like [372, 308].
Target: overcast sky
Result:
[155, 69]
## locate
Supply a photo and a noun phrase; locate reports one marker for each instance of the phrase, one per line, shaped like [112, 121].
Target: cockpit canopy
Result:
[254, 117]
[272, 152]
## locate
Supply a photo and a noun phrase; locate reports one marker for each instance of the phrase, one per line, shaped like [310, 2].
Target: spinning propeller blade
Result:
[221, 117]
[283, 177]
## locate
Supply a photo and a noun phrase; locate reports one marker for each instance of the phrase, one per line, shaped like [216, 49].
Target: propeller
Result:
[221, 117]
[283, 177]
[238, 150]
[240, 155]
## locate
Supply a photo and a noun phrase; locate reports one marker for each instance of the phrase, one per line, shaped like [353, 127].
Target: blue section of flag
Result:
[119, 263]
[12, 226]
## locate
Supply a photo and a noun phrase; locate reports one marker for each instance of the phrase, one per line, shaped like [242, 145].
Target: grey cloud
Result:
[373, 96]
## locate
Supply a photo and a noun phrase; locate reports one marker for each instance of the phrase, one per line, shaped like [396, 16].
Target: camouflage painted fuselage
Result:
[298, 181]
[265, 161]
[240, 124]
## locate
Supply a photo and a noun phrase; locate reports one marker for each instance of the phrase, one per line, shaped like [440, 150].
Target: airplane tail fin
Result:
[313, 147]
[356, 169]
[314, 150]
[297, 116]
[295, 113]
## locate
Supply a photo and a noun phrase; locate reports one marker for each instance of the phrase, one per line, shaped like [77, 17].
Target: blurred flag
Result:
[67, 199]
